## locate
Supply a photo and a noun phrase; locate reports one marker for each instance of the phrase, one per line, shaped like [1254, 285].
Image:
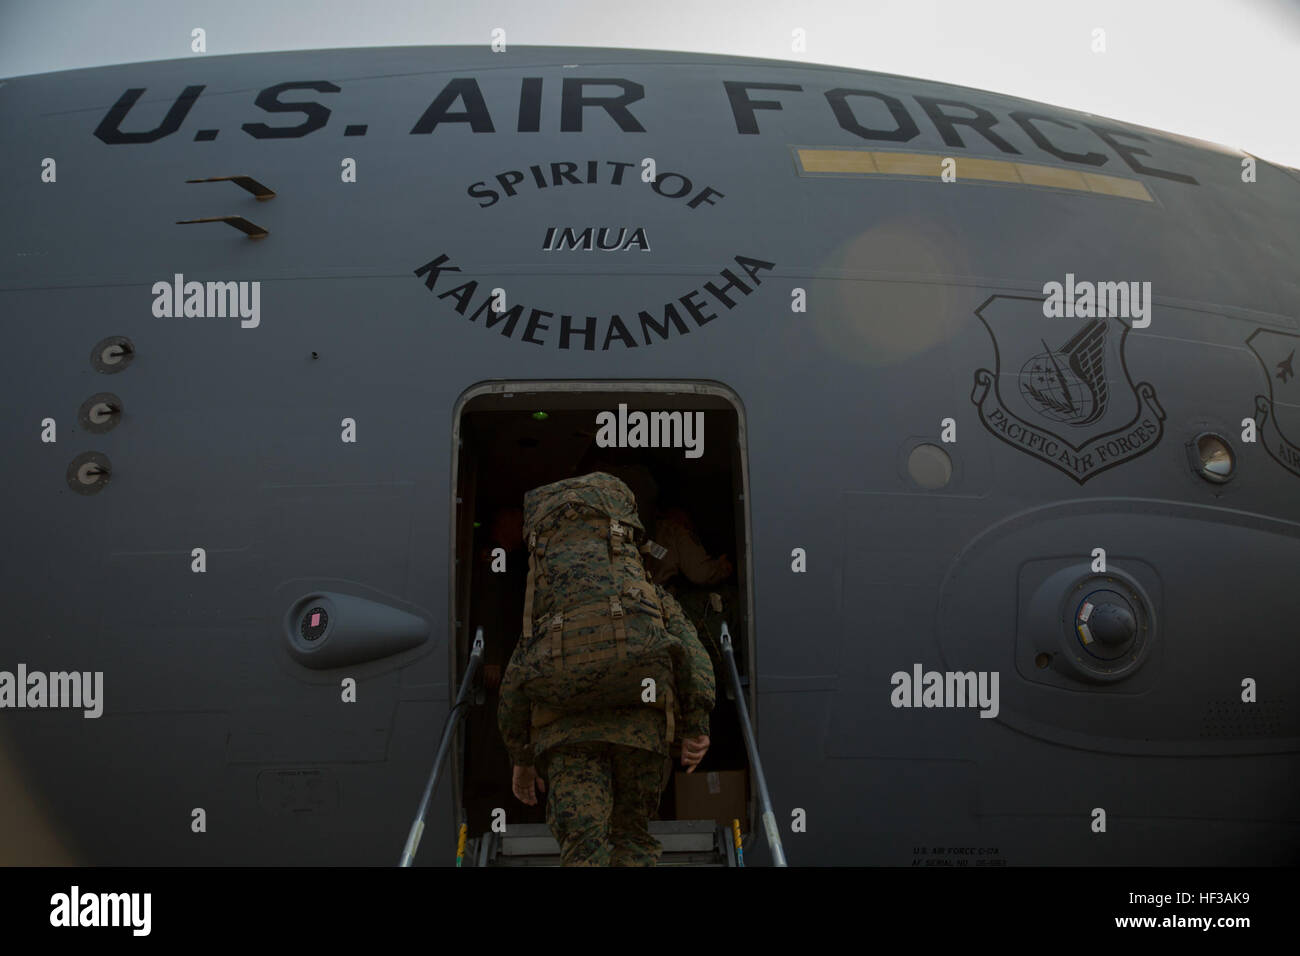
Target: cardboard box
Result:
[720, 795]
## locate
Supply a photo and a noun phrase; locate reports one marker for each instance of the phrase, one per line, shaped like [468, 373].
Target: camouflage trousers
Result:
[600, 797]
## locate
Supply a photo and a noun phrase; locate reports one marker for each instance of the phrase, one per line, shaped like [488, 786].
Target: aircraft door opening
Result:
[512, 437]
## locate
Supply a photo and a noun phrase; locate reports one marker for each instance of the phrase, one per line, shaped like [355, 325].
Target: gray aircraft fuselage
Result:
[857, 262]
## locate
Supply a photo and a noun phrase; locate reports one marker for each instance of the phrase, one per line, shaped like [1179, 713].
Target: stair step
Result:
[685, 843]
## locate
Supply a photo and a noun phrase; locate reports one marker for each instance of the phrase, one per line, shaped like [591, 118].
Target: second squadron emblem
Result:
[1276, 352]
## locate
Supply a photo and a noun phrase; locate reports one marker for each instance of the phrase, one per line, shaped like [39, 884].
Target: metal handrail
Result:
[760, 782]
[444, 746]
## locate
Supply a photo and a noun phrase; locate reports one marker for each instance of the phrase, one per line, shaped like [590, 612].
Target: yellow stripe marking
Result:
[1052, 176]
[909, 164]
[837, 161]
[992, 170]
[863, 162]
[1116, 186]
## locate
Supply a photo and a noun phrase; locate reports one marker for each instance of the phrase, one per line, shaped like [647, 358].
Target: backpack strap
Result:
[536, 551]
[617, 535]
[528, 600]
[620, 631]
[557, 625]
[554, 628]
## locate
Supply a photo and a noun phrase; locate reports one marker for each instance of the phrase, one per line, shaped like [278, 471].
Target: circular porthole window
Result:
[1211, 457]
[929, 466]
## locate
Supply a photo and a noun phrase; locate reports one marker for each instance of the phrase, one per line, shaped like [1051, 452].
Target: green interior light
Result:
[540, 416]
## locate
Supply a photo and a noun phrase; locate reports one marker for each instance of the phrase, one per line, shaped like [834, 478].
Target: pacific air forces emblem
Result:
[1061, 389]
[1277, 414]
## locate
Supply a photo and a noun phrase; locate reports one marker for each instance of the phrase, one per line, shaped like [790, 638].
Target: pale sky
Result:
[1227, 71]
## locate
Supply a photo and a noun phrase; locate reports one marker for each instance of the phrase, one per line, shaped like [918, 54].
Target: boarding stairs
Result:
[685, 842]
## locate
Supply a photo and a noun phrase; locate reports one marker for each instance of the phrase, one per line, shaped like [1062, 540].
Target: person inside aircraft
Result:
[676, 558]
[684, 555]
[672, 529]
[700, 583]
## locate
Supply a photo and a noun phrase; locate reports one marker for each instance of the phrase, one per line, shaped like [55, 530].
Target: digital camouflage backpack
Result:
[593, 625]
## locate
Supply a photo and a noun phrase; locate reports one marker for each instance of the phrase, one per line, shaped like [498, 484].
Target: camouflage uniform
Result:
[605, 769]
